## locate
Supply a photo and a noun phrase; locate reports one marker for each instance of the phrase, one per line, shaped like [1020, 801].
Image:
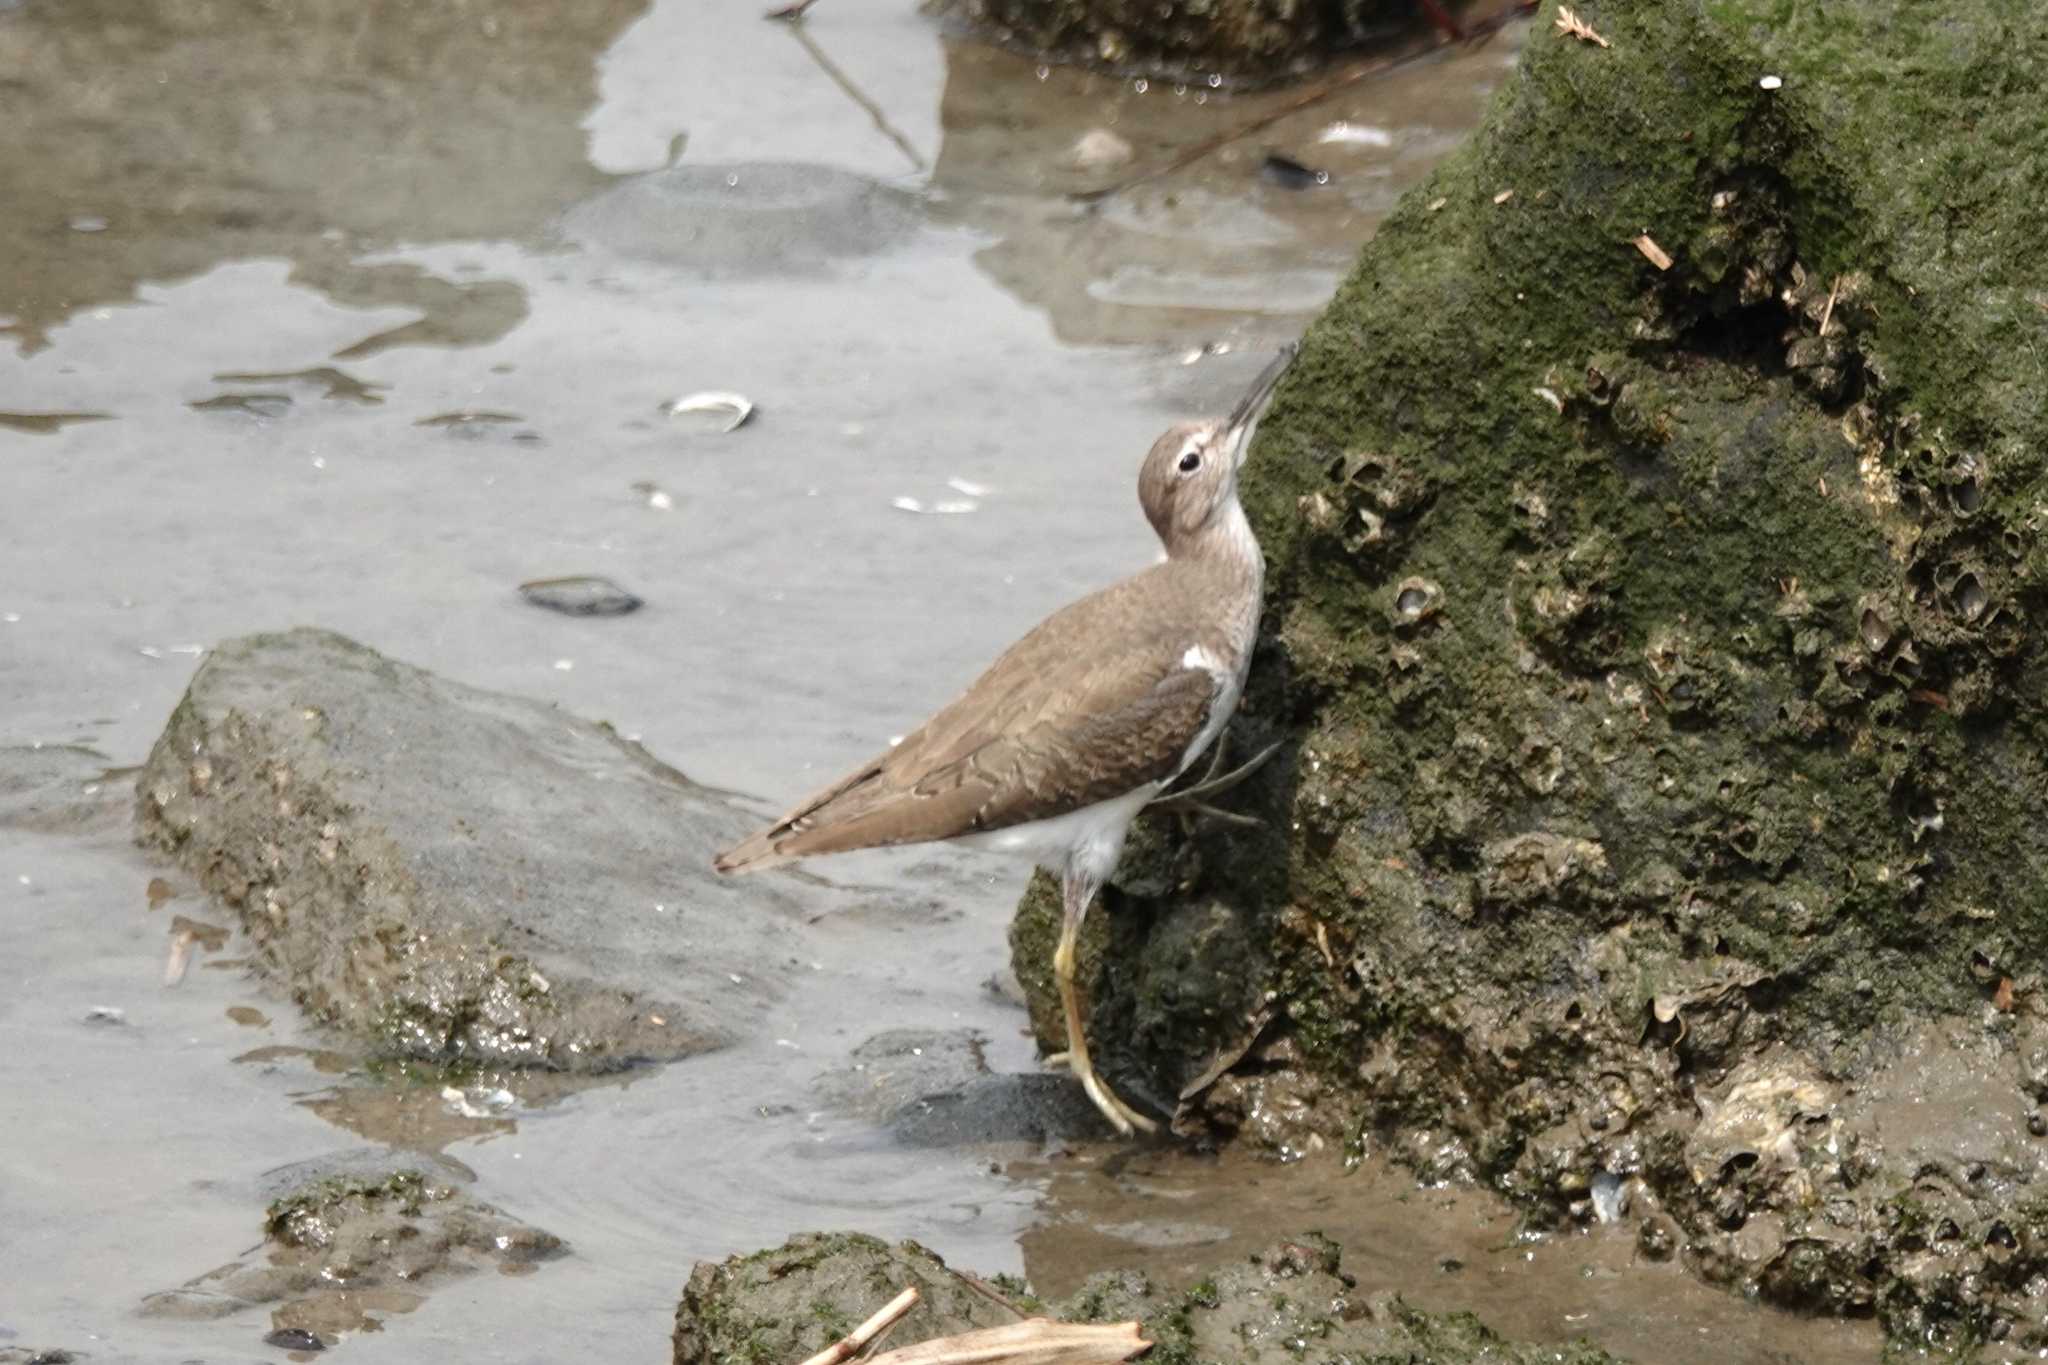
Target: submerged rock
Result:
[457, 874]
[933, 1088]
[351, 1238]
[1289, 1303]
[1659, 653]
[745, 218]
[581, 595]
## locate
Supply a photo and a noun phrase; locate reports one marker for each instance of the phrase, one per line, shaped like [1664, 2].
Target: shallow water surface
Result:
[362, 316]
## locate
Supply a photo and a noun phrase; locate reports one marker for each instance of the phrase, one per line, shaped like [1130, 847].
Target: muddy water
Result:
[360, 316]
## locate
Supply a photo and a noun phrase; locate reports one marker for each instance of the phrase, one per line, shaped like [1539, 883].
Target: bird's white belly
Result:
[1090, 839]
[1229, 687]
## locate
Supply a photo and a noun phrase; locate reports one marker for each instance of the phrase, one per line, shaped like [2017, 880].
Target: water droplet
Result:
[1215, 80]
[1141, 85]
[1044, 73]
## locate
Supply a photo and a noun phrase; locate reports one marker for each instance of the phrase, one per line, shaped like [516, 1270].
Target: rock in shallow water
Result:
[745, 218]
[932, 1088]
[353, 1236]
[581, 595]
[459, 874]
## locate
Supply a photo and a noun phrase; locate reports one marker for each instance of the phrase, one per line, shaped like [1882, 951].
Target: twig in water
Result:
[856, 1341]
[853, 92]
[790, 14]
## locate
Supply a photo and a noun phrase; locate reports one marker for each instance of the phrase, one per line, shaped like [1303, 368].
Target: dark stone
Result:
[580, 596]
[931, 1088]
[294, 1339]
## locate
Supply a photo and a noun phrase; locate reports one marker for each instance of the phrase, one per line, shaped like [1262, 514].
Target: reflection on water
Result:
[163, 137]
[1214, 246]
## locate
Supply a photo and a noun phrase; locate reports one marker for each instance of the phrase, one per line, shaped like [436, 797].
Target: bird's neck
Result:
[1224, 542]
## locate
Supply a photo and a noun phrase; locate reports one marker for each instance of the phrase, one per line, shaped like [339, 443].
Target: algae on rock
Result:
[1658, 653]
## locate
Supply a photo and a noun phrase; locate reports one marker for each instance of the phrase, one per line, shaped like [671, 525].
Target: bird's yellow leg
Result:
[1121, 1115]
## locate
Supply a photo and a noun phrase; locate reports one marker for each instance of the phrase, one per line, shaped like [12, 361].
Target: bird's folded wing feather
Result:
[1045, 730]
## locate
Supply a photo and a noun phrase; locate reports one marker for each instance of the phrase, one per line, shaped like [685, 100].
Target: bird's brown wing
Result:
[1048, 728]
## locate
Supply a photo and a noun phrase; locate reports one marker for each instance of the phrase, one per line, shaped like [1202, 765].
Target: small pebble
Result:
[1098, 148]
[582, 595]
[1772, 82]
[295, 1339]
[106, 1014]
[2037, 1124]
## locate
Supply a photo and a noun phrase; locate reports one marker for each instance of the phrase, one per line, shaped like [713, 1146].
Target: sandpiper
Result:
[1065, 738]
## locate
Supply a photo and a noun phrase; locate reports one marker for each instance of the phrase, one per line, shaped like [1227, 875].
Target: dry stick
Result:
[853, 92]
[1314, 94]
[856, 1341]
[790, 14]
[1827, 314]
[1035, 1341]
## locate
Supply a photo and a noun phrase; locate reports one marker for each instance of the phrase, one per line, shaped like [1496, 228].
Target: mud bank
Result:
[1655, 531]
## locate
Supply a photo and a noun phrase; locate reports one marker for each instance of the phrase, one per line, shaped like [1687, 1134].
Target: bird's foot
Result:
[1192, 800]
[1120, 1115]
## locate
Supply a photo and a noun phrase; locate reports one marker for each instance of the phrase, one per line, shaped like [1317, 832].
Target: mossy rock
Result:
[1658, 648]
[795, 1300]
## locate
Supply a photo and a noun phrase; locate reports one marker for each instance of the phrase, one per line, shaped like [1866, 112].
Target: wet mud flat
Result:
[343, 374]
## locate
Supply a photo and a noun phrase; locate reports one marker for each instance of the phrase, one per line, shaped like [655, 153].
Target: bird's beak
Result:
[1244, 419]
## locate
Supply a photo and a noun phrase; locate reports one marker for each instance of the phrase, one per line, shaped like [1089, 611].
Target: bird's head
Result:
[1190, 475]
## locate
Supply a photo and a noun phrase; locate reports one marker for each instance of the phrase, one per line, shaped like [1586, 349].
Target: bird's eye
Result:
[1190, 462]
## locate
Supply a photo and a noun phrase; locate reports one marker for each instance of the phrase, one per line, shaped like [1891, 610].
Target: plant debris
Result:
[1290, 174]
[714, 400]
[1654, 254]
[1570, 25]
